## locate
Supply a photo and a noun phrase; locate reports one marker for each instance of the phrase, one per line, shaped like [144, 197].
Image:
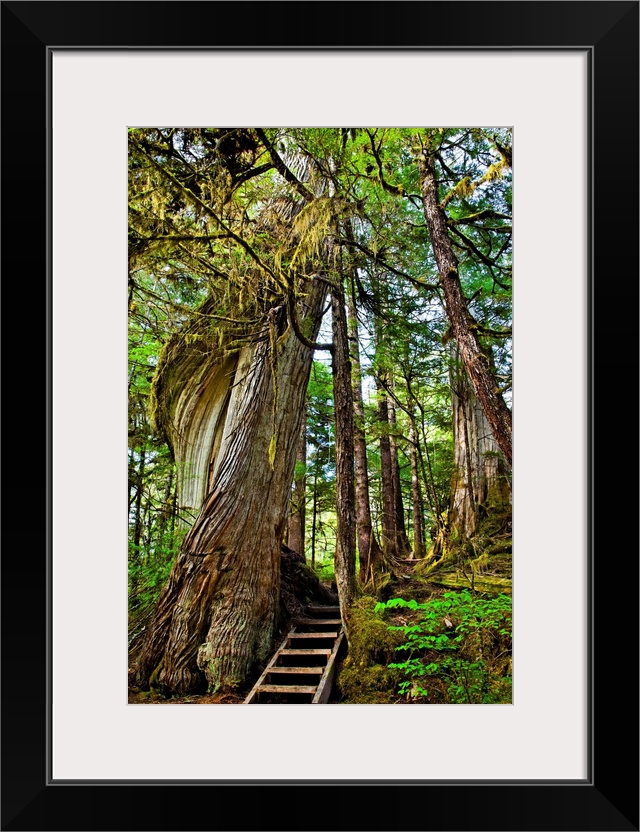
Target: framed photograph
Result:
[562, 79]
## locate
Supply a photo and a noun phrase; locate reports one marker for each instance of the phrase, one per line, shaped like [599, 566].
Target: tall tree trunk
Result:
[295, 538]
[138, 523]
[476, 362]
[217, 613]
[418, 511]
[137, 529]
[402, 541]
[481, 476]
[389, 540]
[423, 458]
[369, 550]
[345, 563]
[314, 519]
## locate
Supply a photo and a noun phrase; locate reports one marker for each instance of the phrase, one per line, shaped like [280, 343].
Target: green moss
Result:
[373, 684]
[480, 584]
[482, 561]
[365, 676]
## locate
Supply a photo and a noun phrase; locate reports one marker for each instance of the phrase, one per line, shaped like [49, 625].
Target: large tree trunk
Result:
[369, 550]
[295, 536]
[481, 476]
[476, 362]
[234, 426]
[345, 563]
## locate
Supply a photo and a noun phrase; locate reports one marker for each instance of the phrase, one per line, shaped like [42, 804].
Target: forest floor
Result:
[137, 697]
[150, 698]
[407, 587]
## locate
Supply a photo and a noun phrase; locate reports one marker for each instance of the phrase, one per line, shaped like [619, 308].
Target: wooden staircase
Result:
[302, 668]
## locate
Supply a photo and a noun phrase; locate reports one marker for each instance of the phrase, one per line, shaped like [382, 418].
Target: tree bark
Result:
[345, 562]
[476, 362]
[296, 536]
[237, 424]
[481, 476]
[369, 550]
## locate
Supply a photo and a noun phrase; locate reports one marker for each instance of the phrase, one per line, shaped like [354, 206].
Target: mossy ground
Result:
[365, 676]
[481, 563]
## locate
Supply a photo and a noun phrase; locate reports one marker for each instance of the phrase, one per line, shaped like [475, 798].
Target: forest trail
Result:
[303, 667]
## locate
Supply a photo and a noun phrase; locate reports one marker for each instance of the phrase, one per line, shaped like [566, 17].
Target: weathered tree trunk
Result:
[235, 427]
[295, 538]
[418, 511]
[476, 362]
[481, 476]
[369, 550]
[345, 562]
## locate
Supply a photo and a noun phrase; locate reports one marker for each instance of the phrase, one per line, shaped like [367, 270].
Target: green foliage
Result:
[148, 574]
[320, 471]
[325, 570]
[458, 650]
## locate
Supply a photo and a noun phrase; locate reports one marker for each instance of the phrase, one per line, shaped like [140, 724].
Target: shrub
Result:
[458, 650]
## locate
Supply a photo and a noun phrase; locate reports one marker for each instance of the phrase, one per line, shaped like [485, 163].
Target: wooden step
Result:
[287, 688]
[327, 634]
[319, 622]
[293, 651]
[315, 608]
[319, 692]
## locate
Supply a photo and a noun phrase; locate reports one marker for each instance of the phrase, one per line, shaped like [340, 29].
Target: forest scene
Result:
[319, 420]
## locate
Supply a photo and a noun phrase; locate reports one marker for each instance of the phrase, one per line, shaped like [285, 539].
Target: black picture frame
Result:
[608, 798]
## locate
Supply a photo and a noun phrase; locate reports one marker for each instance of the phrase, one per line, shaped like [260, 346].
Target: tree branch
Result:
[470, 245]
[481, 215]
[207, 209]
[397, 190]
[377, 259]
